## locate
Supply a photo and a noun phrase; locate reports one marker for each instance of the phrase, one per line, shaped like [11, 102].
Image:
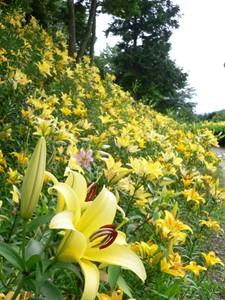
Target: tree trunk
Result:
[72, 29]
[93, 40]
[84, 43]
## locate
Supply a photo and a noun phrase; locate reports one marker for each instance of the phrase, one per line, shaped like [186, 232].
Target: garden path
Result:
[218, 241]
[220, 152]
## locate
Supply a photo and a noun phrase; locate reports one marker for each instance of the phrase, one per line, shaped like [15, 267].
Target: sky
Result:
[198, 46]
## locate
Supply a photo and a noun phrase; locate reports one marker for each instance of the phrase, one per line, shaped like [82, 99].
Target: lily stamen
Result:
[109, 234]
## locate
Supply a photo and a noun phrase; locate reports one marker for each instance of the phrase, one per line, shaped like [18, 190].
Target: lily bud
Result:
[33, 180]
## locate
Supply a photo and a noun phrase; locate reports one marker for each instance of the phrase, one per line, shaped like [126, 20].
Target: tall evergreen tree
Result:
[141, 61]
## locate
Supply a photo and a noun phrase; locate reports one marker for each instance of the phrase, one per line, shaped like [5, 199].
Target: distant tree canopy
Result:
[140, 61]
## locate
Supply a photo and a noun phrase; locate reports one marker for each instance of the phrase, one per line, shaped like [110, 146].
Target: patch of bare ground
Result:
[217, 241]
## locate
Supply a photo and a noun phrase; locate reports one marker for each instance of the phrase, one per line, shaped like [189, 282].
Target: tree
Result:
[141, 62]
[75, 18]
[71, 28]
[90, 25]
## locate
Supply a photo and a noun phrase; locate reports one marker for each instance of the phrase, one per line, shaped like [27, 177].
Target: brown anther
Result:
[92, 190]
[108, 233]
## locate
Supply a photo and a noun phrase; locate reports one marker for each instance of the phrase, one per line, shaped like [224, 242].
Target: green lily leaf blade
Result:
[173, 289]
[50, 291]
[113, 273]
[11, 256]
[32, 261]
[39, 221]
[37, 298]
[124, 286]
[69, 267]
[33, 247]
[33, 253]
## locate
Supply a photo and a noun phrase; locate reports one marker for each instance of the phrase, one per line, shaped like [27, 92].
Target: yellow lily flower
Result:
[194, 268]
[215, 225]
[170, 228]
[14, 176]
[145, 250]
[8, 296]
[172, 266]
[114, 171]
[90, 235]
[211, 259]
[116, 295]
[192, 195]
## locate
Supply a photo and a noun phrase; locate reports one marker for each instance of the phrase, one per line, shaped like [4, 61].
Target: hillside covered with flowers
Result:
[101, 196]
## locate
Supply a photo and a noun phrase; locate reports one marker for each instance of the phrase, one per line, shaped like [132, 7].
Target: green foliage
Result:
[121, 8]
[51, 14]
[144, 54]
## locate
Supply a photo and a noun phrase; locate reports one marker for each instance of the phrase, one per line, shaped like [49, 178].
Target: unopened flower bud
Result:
[33, 180]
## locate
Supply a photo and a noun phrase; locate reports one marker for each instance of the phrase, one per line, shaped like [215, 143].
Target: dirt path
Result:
[218, 241]
[220, 152]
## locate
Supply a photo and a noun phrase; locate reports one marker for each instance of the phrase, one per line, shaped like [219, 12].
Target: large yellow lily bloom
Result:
[91, 237]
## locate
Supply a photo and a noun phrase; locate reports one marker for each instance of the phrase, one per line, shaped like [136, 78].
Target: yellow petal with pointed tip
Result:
[78, 183]
[101, 212]
[119, 255]
[67, 199]
[63, 220]
[91, 275]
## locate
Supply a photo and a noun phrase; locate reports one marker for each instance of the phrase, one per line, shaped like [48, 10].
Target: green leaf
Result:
[113, 273]
[33, 247]
[33, 261]
[173, 289]
[69, 267]
[160, 294]
[50, 291]
[33, 251]
[155, 215]
[37, 298]
[34, 224]
[124, 286]
[11, 256]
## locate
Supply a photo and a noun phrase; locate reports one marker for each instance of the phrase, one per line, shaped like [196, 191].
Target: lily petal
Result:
[119, 255]
[63, 220]
[121, 238]
[67, 196]
[78, 183]
[72, 246]
[91, 275]
[101, 212]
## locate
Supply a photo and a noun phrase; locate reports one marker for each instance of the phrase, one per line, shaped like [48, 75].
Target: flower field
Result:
[217, 127]
[101, 196]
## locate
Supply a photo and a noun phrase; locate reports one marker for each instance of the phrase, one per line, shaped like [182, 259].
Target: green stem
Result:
[131, 200]
[142, 224]
[199, 283]
[24, 239]
[19, 287]
[12, 228]
[47, 243]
